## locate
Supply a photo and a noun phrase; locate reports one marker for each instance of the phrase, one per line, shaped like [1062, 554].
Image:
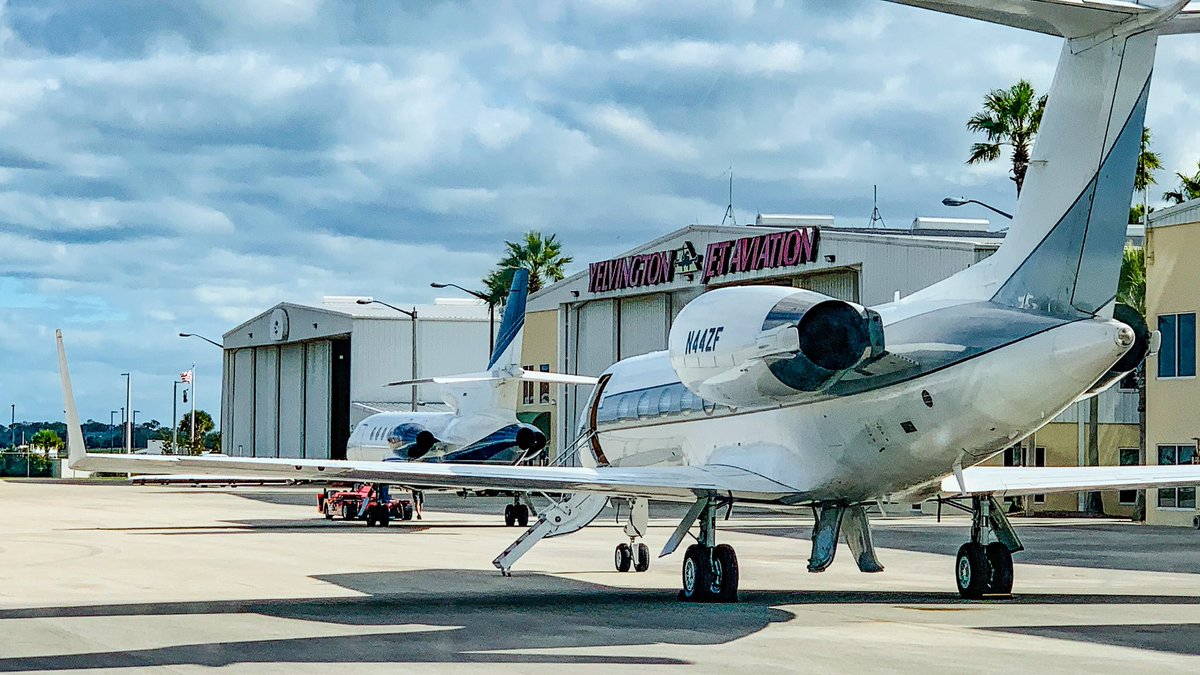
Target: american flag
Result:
[186, 376]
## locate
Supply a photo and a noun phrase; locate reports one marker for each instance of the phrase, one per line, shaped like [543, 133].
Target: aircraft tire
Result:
[522, 513]
[642, 559]
[510, 518]
[971, 571]
[623, 557]
[727, 588]
[695, 574]
[1001, 564]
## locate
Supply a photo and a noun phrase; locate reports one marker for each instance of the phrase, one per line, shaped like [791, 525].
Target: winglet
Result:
[76, 450]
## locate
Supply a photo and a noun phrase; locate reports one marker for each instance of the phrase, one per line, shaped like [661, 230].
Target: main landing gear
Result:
[635, 555]
[983, 567]
[516, 513]
[710, 571]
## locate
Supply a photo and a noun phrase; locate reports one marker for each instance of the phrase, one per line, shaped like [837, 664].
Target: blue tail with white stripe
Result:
[512, 327]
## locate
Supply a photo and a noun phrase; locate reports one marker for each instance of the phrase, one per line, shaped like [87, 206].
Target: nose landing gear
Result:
[634, 555]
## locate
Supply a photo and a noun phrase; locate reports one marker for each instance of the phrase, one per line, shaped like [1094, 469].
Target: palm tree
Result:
[1189, 188]
[542, 256]
[1148, 163]
[1009, 117]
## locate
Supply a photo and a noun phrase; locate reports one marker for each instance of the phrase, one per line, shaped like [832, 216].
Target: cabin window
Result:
[1182, 497]
[645, 405]
[1177, 354]
[668, 401]
[627, 407]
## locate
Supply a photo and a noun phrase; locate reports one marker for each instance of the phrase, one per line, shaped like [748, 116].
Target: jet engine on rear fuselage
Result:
[767, 344]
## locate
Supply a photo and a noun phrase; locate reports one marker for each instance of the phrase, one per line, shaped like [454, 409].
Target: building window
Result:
[1014, 456]
[1177, 354]
[544, 387]
[1177, 498]
[528, 389]
[1127, 457]
[1039, 459]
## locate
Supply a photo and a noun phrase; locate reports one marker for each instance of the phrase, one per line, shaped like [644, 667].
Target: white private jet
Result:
[785, 397]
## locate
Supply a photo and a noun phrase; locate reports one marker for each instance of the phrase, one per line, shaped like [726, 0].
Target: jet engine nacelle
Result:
[531, 440]
[763, 344]
[415, 440]
[1143, 346]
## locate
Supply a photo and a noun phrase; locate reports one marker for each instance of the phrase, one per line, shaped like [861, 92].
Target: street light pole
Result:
[491, 312]
[950, 201]
[12, 426]
[412, 315]
[128, 407]
[112, 425]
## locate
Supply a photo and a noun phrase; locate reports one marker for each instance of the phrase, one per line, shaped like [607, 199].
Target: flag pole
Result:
[193, 407]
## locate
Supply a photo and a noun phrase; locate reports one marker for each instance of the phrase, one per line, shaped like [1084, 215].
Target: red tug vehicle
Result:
[348, 504]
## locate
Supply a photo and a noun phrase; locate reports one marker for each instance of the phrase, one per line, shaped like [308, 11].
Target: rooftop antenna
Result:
[729, 208]
[876, 216]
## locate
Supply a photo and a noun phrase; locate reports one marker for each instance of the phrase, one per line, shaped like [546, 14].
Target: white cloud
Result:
[635, 129]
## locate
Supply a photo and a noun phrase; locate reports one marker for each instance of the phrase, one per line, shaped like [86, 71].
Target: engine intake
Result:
[758, 344]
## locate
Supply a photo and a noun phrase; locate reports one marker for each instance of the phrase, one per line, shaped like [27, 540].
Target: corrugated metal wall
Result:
[317, 389]
[241, 419]
[842, 284]
[291, 400]
[644, 322]
[380, 352]
[266, 401]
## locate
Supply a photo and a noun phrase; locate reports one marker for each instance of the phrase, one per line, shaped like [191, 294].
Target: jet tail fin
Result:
[76, 450]
[1062, 254]
[507, 351]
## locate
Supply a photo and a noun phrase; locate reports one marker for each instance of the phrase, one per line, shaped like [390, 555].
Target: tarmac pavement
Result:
[109, 576]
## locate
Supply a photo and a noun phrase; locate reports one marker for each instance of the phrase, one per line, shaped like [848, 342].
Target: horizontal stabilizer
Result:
[530, 375]
[1064, 18]
[558, 378]
[1015, 481]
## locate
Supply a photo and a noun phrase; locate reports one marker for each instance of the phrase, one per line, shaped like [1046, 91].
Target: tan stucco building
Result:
[1172, 391]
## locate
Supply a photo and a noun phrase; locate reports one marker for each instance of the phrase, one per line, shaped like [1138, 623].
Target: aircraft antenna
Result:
[729, 207]
[876, 216]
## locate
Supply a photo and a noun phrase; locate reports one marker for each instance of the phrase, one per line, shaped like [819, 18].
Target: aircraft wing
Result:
[1005, 481]
[678, 483]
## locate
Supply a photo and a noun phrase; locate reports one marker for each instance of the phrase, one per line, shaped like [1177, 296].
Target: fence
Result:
[26, 463]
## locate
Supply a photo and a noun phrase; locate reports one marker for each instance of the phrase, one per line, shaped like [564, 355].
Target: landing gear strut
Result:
[710, 571]
[634, 555]
[985, 567]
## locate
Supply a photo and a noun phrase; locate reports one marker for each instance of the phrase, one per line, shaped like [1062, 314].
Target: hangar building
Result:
[297, 378]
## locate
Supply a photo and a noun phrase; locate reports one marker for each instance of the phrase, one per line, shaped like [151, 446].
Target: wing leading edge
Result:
[1015, 481]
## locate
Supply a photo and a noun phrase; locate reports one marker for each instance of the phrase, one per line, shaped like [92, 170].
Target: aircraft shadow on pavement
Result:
[485, 617]
[480, 611]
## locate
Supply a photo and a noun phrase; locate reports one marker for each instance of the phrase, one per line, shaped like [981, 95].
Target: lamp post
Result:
[112, 425]
[133, 426]
[491, 312]
[192, 378]
[211, 342]
[125, 416]
[412, 315]
[951, 201]
[12, 426]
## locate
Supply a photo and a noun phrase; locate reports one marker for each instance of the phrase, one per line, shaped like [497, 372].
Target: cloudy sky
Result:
[182, 166]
